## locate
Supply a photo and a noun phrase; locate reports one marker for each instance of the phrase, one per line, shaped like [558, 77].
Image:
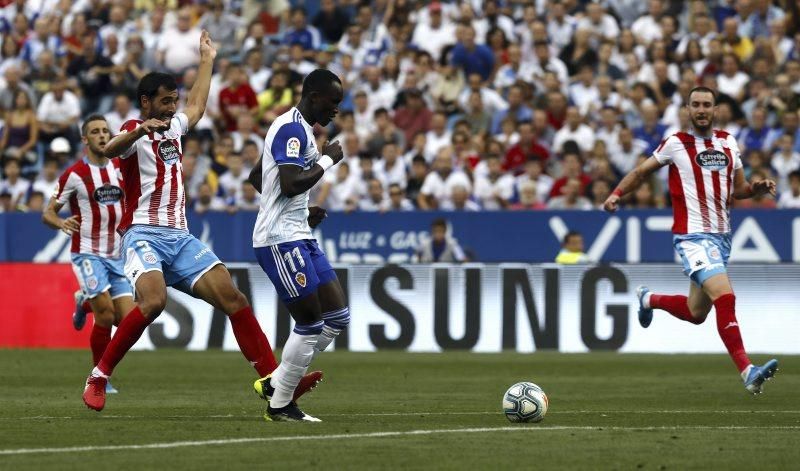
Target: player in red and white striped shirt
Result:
[705, 173]
[159, 251]
[92, 188]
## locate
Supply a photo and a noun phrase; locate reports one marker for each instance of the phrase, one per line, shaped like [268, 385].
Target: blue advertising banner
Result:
[628, 236]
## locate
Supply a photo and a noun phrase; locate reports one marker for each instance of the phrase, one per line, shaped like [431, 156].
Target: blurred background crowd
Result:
[464, 105]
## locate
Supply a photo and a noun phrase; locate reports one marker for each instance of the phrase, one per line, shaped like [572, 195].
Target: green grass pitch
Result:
[393, 410]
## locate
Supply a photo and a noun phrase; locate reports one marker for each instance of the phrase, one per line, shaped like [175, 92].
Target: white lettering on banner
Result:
[749, 230]
[601, 242]
[633, 235]
[402, 240]
[490, 308]
[355, 240]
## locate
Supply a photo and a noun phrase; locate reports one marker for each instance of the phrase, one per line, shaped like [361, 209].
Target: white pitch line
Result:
[346, 436]
[408, 414]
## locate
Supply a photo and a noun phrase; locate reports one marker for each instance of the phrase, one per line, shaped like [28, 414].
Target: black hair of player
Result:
[90, 119]
[152, 82]
[701, 89]
[570, 235]
[320, 81]
[320, 97]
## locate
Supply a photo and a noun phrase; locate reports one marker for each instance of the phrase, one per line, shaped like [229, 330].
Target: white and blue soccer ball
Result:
[525, 402]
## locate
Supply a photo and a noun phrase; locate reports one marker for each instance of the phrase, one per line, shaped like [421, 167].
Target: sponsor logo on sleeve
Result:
[293, 147]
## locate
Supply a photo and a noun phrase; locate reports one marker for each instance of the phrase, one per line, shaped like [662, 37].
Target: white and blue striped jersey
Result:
[289, 141]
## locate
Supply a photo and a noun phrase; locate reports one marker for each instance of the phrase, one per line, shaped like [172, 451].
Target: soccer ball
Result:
[525, 402]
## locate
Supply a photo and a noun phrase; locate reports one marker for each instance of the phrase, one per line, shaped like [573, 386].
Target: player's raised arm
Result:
[631, 182]
[742, 189]
[198, 96]
[294, 180]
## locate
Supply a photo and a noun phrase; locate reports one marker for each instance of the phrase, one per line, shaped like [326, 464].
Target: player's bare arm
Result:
[631, 182]
[120, 144]
[295, 180]
[51, 219]
[255, 177]
[198, 96]
[742, 189]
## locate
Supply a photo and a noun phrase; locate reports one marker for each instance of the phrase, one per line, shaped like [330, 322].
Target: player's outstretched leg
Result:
[216, 288]
[152, 296]
[754, 376]
[678, 306]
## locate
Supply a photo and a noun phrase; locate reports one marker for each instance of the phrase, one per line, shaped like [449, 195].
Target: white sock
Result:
[297, 355]
[96, 372]
[335, 322]
[327, 337]
[646, 300]
[746, 372]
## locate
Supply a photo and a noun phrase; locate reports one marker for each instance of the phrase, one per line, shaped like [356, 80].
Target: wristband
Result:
[617, 192]
[325, 162]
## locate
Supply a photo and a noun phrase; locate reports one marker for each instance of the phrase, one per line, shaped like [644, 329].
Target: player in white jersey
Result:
[705, 172]
[92, 189]
[159, 251]
[290, 165]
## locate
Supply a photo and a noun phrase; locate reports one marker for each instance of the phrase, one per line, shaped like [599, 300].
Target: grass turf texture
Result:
[607, 411]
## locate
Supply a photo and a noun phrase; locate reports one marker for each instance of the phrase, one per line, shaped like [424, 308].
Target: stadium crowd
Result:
[466, 105]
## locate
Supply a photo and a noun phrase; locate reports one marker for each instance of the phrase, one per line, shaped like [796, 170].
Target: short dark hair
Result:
[91, 118]
[704, 89]
[418, 159]
[439, 222]
[571, 234]
[794, 175]
[319, 81]
[150, 83]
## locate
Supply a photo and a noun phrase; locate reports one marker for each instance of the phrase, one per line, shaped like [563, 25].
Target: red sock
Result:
[728, 329]
[252, 341]
[99, 341]
[129, 330]
[676, 305]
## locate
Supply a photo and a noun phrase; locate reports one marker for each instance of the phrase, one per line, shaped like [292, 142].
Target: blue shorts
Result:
[97, 275]
[295, 268]
[703, 255]
[179, 255]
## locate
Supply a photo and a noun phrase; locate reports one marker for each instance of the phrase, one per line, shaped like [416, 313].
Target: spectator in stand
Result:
[651, 131]
[414, 116]
[785, 161]
[385, 131]
[494, 190]
[417, 176]
[791, 197]
[121, 112]
[438, 185]
[58, 114]
[390, 168]
[177, 48]
[435, 34]
[471, 57]
[331, 21]
[247, 199]
[600, 190]
[570, 197]
[20, 133]
[35, 202]
[13, 184]
[222, 27]
[492, 101]
[460, 200]
[397, 200]
[206, 200]
[437, 137]
[246, 131]
[47, 181]
[440, 247]
[528, 198]
[41, 40]
[754, 136]
[517, 109]
[790, 125]
[276, 99]
[524, 150]
[571, 167]
[574, 130]
[230, 182]
[375, 199]
[572, 250]
[91, 74]
[237, 98]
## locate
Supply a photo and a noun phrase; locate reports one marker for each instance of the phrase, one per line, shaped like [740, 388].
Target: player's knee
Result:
[153, 305]
[104, 317]
[338, 319]
[232, 300]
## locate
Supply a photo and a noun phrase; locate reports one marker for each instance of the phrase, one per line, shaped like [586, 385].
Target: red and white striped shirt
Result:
[94, 194]
[154, 177]
[701, 171]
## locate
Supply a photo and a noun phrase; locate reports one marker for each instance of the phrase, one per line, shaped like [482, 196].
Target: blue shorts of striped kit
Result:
[703, 255]
[97, 275]
[295, 268]
[181, 257]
